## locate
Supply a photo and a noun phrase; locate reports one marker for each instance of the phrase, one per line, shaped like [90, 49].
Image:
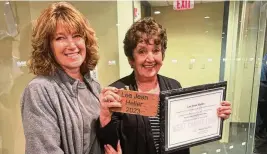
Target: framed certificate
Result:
[189, 116]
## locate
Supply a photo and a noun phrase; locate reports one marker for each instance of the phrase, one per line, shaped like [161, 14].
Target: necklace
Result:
[145, 88]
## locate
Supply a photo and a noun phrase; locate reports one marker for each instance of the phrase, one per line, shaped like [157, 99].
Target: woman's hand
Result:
[110, 150]
[108, 99]
[225, 110]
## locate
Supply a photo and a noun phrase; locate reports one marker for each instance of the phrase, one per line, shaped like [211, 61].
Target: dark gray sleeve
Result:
[109, 134]
[39, 119]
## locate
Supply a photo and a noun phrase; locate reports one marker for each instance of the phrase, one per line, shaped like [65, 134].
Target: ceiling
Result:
[157, 3]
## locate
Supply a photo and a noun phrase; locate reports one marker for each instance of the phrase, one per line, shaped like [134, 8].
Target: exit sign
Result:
[183, 4]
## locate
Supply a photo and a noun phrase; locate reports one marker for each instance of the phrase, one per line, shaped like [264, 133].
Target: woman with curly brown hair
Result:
[145, 45]
[60, 105]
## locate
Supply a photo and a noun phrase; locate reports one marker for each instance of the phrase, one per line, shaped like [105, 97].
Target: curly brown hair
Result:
[148, 27]
[42, 60]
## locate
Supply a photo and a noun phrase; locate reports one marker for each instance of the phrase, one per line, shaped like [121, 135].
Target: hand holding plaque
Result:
[134, 102]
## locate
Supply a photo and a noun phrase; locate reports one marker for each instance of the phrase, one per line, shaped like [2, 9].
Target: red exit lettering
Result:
[184, 4]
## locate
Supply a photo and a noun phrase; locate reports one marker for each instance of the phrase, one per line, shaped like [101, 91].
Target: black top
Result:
[133, 131]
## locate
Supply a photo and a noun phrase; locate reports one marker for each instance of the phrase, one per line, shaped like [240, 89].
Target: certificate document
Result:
[190, 116]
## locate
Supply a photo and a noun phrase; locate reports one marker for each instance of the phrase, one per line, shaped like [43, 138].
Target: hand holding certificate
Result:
[191, 111]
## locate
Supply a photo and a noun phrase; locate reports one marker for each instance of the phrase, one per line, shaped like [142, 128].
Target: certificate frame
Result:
[166, 96]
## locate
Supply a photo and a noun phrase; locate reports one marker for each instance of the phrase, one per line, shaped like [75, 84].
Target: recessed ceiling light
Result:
[207, 17]
[157, 12]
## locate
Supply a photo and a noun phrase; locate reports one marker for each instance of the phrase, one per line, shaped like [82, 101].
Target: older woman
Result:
[145, 44]
[60, 105]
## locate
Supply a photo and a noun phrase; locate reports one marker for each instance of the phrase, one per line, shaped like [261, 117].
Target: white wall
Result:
[191, 36]
[125, 20]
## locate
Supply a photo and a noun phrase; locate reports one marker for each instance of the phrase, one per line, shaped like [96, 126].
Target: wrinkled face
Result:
[147, 59]
[68, 48]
